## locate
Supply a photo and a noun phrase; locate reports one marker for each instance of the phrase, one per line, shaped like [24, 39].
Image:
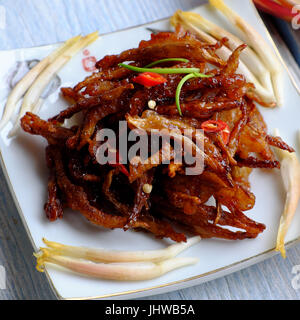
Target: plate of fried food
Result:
[155, 158]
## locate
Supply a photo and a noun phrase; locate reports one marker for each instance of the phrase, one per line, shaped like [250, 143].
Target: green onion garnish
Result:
[181, 83]
[192, 73]
[160, 70]
[166, 60]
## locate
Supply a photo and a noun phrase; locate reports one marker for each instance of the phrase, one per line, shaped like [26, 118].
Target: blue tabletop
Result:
[27, 23]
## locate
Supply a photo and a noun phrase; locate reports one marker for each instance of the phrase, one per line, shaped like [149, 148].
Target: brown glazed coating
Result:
[109, 198]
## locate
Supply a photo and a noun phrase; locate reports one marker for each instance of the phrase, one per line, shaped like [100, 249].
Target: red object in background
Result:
[288, 3]
[283, 10]
[149, 79]
[89, 63]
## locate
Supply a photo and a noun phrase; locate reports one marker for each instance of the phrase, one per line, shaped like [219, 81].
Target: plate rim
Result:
[223, 270]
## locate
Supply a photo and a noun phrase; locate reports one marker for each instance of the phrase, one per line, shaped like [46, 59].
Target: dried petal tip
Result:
[41, 258]
[105, 255]
[290, 173]
[121, 271]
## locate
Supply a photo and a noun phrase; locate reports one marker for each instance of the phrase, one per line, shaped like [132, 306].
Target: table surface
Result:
[38, 22]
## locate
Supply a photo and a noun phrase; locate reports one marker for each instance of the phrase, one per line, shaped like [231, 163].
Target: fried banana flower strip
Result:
[256, 41]
[138, 168]
[199, 109]
[105, 255]
[199, 225]
[126, 271]
[279, 143]
[77, 199]
[163, 45]
[290, 173]
[54, 206]
[143, 188]
[252, 162]
[159, 228]
[55, 135]
[154, 121]
[23, 85]
[33, 94]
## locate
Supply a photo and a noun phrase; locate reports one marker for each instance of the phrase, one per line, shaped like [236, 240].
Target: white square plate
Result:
[24, 165]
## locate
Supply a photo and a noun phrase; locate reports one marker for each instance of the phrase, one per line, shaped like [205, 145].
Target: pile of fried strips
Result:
[114, 196]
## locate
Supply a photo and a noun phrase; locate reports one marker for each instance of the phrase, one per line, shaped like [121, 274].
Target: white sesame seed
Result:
[151, 104]
[147, 188]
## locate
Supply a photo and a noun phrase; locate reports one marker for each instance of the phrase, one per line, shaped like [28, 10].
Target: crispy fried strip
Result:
[137, 170]
[159, 228]
[105, 97]
[235, 218]
[236, 131]
[199, 225]
[54, 134]
[53, 207]
[121, 207]
[186, 202]
[115, 73]
[77, 199]
[66, 114]
[199, 109]
[211, 184]
[140, 197]
[252, 162]
[154, 121]
[278, 143]
[78, 173]
[92, 117]
[162, 45]
[219, 142]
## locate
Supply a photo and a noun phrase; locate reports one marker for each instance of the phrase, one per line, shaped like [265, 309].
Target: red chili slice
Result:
[149, 79]
[211, 126]
[225, 134]
[119, 165]
[214, 126]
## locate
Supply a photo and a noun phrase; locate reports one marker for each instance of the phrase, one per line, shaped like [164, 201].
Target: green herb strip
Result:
[160, 70]
[166, 60]
[182, 82]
